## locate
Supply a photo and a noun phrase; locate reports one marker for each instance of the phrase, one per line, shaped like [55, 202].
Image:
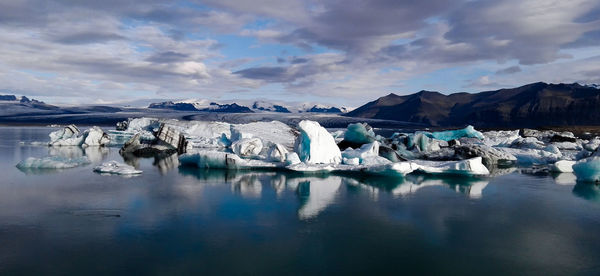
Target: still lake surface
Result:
[176, 220]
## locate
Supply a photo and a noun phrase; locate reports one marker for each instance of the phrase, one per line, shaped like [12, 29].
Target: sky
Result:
[343, 52]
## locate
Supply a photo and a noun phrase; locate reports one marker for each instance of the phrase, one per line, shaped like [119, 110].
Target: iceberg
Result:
[588, 169]
[71, 136]
[491, 156]
[95, 137]
[223, 160]
[246, 147]
[53, 162]
[292, 158]
[359, 133]
[473, 166]
[315, 145]
[500, 138]
[67, 132]
[563, 166]
[269, 132]
[277, 153]
[114, 167]
[366, 150]
[448, 135]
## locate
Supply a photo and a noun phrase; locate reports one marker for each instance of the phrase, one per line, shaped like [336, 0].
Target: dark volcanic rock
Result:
[532, 105]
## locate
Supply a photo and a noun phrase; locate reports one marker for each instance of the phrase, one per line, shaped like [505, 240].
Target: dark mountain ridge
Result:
[533, 105]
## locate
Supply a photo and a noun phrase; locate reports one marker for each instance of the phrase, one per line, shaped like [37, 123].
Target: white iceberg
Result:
[365, 151]
[473, 166]
[500, 138]
[70, 131]
[563, 166]
[588, 169]
[247, 147]
[315, 145]
[52, 162]
[277, 153]
[114, 167]
[71, 136]
[269, 132]
[292, 158]
[95, 137]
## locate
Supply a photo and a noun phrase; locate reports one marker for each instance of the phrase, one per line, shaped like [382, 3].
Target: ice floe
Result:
[114, 167]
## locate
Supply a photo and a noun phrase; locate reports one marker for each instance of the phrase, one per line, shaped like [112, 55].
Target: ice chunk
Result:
[527, 143]
[500, 138]
[277, 153]
[473, 166]
[448, 135]
[53, 162]
[564, 166]
[315, 145]
[567, 145]
[222, 160]
[67, 132]
[142, 124]
[114, 167]
[360, 133]
[95, 137]
[593, 144]
[247, 147]
[366, 150]
[292, 158]
[588, 169]
[351, 161]
[70, 136]
[490, 155]
[533, 156]
[269, 132]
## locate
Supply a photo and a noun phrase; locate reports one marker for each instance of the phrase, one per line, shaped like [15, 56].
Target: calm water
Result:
[173, 220]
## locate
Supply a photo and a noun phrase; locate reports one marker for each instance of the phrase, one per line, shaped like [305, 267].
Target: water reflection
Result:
[163, 163]
[316, 193]
[588, 191]
[565, 178]
[94, 154]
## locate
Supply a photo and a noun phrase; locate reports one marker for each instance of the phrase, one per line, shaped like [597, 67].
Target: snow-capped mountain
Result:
[246, 107]
[201, 105]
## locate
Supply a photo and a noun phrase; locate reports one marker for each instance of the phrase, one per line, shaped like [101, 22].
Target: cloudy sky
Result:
[339, 52]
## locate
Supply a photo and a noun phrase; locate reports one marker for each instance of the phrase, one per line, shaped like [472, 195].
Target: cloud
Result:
[509, 70]
[349, 51]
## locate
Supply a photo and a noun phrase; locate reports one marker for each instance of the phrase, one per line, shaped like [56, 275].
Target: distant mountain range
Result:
[257, 106]
[533, 105]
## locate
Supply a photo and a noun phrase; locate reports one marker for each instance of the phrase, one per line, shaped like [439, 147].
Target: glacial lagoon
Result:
[184, 220]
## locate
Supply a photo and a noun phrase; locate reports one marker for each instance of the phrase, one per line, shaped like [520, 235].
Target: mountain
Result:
[318, 108]
[12, 103]
[256, 106]
[201, 106]
[266, 106]
[532, 105]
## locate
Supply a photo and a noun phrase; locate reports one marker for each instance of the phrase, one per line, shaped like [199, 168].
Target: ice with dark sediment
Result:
[310, 148]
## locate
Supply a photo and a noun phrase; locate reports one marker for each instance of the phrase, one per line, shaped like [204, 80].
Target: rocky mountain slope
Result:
[532, 105]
